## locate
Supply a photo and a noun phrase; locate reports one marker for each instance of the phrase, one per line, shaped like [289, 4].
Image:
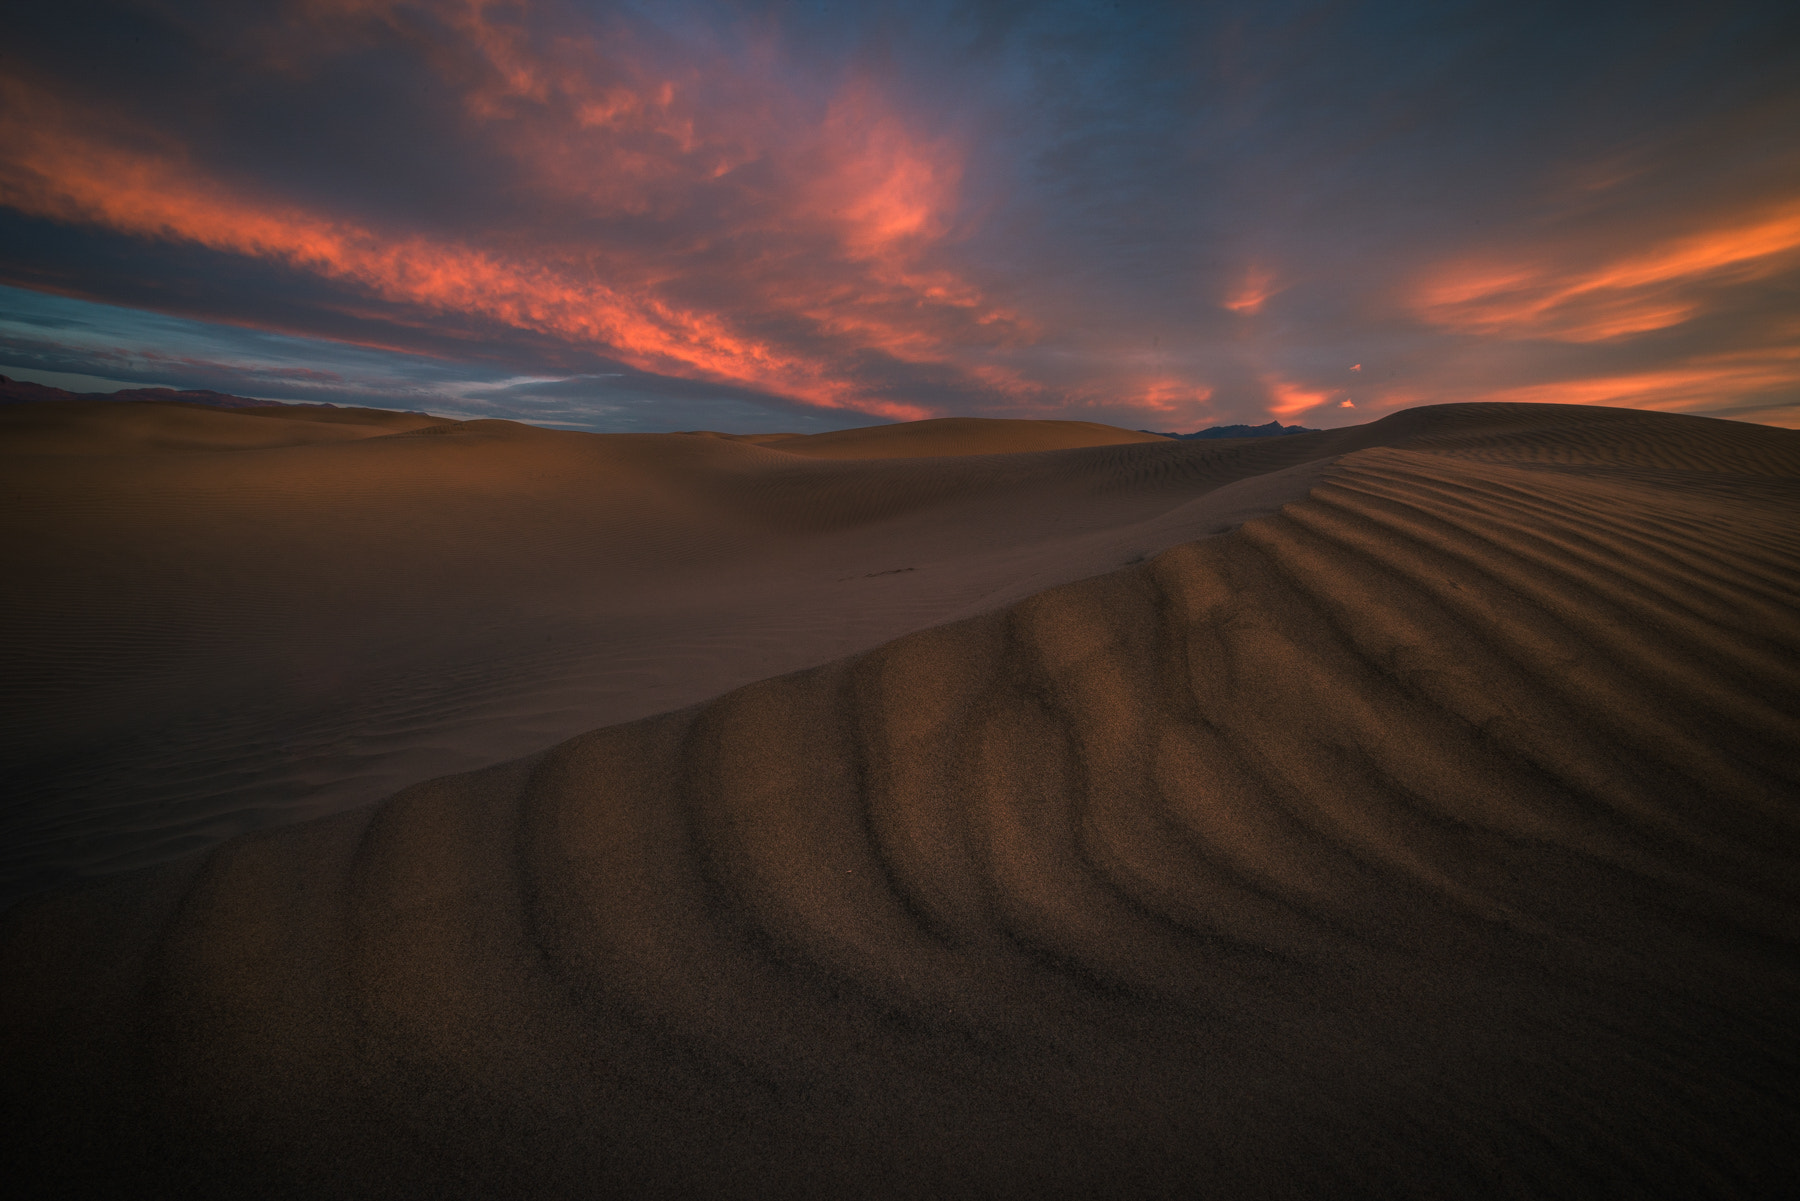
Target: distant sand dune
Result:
[98, 428]
[1433, 834]
[956, 436]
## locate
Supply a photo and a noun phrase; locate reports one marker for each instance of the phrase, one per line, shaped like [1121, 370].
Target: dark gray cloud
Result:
[1159, 215]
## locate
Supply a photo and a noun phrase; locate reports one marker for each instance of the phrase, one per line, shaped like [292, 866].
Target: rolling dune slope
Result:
[222, 620]
[1434, 835]
[957, 436]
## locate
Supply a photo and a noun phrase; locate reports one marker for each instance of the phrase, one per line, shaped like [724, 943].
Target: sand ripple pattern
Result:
[1433, 837]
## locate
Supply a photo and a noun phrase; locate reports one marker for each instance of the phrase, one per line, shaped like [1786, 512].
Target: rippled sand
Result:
[1433, 833]
[221, 621]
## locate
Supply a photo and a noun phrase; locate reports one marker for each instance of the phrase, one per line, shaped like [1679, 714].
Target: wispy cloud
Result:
[1636, 291]
[1141, 214]
[1250, 295]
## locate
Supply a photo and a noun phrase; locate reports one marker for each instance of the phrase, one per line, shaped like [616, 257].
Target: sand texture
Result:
[1433, 833]
[956, 436]
[225, 620]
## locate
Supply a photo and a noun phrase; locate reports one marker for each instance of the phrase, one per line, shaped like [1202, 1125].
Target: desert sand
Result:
[1404, 810]
[228, 619]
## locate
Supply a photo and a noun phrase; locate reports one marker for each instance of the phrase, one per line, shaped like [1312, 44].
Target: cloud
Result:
[1141, 214]
[1250, 295]
[882, 194]
[88, 347]
[748, 238]
[1634, 292]
[1699, 385]
[1289, 399]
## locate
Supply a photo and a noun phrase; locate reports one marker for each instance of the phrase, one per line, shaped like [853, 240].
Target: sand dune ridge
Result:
[1433, 835]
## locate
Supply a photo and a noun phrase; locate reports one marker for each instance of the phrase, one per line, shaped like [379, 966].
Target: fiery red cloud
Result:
[837, 238]
[1290, 399]
[1635, 292]
[1683, 387]
[1250, 296]
[905, 212]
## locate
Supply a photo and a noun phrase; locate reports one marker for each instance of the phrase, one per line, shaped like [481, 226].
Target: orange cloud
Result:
[1168, 394]
[878, 183]
[1760, 383]
[141, 195]
[1291, 398]
[1653, 289]
[1705, 383]
[840, 257]
[1257, 287]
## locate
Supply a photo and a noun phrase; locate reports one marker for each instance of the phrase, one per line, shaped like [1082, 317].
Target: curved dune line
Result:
[202, 591]
[1432, 836]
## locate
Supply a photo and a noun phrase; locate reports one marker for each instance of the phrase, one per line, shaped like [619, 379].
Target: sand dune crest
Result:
[1430, 836]
[956, 436]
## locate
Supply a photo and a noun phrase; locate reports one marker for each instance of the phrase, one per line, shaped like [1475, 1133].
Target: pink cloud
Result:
[1250, 295]
[1638, 291]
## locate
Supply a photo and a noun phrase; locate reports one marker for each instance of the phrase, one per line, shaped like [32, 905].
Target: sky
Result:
[691, 214]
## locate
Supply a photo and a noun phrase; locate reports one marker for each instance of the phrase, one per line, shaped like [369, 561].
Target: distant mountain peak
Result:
[18, 391]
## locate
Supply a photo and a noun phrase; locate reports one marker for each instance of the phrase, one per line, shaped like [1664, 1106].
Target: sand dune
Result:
[230, 619]
[101, 428]
[956, 436]
[1433, 833]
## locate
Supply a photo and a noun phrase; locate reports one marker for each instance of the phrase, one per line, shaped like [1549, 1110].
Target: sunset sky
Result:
[682, 215]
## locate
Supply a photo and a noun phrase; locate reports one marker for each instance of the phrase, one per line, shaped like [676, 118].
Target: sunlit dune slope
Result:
[222, 620]
[1432, 836]
[956, 436]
